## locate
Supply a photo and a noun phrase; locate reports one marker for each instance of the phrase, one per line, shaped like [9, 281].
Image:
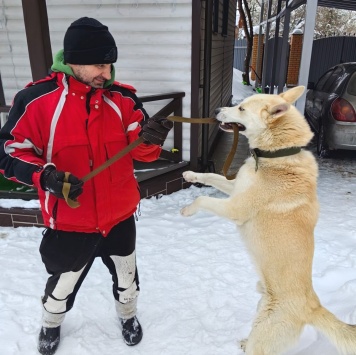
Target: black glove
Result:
[155, 130]
[52, 180]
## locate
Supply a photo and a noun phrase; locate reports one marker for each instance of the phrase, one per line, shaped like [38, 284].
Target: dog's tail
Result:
[342, 335]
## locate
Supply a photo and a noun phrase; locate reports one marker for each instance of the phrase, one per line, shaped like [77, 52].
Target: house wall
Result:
[221, 63]
[153, 39]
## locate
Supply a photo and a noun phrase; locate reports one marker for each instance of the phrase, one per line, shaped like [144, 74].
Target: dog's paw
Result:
[243, 344]
[187, 211]
[190, 176]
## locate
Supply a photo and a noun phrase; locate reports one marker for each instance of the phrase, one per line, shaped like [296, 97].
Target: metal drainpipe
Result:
[206, 82]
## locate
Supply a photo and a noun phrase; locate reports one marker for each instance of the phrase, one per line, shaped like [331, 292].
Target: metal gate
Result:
[272, 42]
[328, 52]
[240, 50]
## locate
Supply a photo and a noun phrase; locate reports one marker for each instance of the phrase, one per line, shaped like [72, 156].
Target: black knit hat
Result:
[87, 41]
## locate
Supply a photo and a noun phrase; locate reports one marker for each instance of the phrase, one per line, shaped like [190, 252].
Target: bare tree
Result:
[333, 22]
[246, 21]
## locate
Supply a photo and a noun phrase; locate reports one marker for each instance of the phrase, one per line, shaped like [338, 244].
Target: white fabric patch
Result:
[125, 269]
[50, 320]
[63, 289]
[129, 294]
[55, 119]
[132, 126]
[126, 310]
[114, 107]
[27, 144]
[54, 306]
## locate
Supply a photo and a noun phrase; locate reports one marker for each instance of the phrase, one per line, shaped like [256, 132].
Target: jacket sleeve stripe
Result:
[27, 144]
[132, 126]
[113, 106]
[55, 118]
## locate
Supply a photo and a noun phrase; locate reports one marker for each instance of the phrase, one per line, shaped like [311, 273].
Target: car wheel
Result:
[321, 146]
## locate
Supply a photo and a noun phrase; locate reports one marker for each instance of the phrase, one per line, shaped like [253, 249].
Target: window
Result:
[322, 80]
[225, 19]
[216, 16]
[351, 87]
[331, 83]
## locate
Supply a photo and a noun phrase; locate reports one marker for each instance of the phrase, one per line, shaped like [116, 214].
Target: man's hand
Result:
[155, 130]
[52, 180]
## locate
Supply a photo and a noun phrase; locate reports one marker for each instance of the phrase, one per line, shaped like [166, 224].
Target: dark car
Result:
[330, 109]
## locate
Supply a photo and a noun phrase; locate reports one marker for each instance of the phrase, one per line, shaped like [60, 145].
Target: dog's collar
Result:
[258, 153]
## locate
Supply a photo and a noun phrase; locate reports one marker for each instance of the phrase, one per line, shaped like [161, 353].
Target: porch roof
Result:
[336, 4]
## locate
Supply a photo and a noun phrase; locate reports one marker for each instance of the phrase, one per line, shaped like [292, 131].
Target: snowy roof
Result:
[337, 4]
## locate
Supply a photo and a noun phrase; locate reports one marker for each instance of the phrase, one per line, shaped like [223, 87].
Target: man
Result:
[73, 121]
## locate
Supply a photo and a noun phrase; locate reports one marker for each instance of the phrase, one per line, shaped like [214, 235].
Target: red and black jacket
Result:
[62, 121]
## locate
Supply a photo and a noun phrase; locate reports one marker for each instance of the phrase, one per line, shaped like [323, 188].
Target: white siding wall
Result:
[14, 62]
[153, 40]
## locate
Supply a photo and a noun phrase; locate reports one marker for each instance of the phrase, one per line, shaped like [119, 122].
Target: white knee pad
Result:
[125, 267]
[65, 286]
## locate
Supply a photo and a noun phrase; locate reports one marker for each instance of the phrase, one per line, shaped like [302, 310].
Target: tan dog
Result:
[274, 202]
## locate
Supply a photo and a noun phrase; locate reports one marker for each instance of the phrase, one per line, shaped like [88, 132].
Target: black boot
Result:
[131, 331]
[48, 340]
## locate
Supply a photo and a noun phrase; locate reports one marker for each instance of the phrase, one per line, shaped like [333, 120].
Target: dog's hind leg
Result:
[218, 206]
[273, 332]
[243, 344]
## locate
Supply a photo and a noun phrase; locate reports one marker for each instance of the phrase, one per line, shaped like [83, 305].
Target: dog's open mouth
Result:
[228, 127]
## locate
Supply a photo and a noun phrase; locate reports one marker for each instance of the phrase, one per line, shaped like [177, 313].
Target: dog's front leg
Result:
[218, 206]
[214, 180]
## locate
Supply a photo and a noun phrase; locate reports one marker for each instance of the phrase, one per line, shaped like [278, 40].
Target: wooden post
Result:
[38, 38]
[296, 45]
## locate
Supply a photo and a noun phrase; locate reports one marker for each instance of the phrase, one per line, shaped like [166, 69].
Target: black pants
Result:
[68, 257]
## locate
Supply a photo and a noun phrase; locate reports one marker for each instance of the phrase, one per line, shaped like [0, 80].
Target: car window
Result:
[333, 80]
[322, 80]
[351, 87]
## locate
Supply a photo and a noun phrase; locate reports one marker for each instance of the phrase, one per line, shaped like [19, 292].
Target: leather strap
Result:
[192, 120]
[140, 140]
[134, 144]
[231, 154]
[113, 159]
[65, 192]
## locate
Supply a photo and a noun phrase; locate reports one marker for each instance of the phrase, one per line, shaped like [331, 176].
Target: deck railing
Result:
[9, 188]
[175, 106]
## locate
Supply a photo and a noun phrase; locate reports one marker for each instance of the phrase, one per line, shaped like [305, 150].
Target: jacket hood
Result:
[59, 66]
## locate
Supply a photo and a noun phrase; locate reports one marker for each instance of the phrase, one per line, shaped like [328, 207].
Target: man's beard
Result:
[91, 83]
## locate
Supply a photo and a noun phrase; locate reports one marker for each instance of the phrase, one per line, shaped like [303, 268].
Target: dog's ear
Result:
[292, 95]
[278, 110]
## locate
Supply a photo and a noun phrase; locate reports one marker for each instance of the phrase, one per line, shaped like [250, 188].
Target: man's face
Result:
[94, 75]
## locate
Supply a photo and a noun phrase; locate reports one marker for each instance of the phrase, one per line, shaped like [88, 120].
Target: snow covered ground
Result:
[197, 283]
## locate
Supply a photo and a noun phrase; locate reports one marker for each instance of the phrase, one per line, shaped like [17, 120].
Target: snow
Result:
[197, 282]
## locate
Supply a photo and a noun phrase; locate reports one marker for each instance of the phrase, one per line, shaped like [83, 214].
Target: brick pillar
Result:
[295, 53]
[254, 57]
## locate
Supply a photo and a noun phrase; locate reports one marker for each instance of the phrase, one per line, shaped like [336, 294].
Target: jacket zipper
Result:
[86, 127]
[91, 163]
